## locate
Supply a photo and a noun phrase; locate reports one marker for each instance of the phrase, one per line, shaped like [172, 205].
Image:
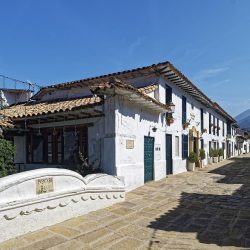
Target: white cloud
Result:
[209, 73]
[219, 83]
[134, 45]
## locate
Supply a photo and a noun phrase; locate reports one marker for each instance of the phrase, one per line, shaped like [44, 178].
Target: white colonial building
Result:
[140, 124]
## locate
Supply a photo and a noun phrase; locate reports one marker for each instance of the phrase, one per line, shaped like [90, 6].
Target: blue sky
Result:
[53, 41]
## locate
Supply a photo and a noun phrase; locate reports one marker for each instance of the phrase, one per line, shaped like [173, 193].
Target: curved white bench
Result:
[38, 198]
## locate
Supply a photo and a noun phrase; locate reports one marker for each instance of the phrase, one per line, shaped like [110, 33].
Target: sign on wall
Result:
[157, 151]
[130, 144]
[44, 185]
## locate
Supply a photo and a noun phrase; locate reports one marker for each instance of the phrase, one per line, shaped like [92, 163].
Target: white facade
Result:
[116, 141]
[13, 96]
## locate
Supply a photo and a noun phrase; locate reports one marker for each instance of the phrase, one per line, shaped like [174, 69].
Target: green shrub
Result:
[192, 157]
[215, 152]
[6, 158]
[202, 154]
[211, 153]
[221, 152]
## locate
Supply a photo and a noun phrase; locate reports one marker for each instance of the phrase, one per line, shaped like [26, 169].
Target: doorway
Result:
[169, 159]
[148, 158]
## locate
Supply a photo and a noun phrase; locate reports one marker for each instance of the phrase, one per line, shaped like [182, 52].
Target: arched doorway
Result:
[194, 140]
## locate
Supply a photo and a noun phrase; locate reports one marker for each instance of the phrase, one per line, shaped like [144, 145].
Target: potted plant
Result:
[221, 154]
[192, 159]
[186, 124]
[215, 156]
[210, 158]
[169, 119]
[204, 130]
[202, 156]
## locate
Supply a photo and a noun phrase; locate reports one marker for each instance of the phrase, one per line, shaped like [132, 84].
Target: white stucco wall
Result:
[67, 93]
[9, 97]
[125, 120]
[133, 122]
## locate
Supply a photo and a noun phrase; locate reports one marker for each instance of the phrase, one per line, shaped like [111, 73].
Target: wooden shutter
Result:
[184, 146]
[202, 120]
[184, 109]
[168, 94]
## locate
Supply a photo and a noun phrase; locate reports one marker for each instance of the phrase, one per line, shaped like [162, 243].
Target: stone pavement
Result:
[205, 209]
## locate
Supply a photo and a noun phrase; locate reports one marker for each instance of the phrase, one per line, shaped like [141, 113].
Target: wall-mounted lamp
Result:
[154, 129]
[172, 107]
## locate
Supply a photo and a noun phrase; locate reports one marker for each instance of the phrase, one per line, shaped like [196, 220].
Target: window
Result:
[168, 94]
[228, 129]
[223, 129]
[202, 143]
[210, 122]
[218, 127]
[58, 146]
[214, 125]
[184, 146]
[177, 146]
[210, 146]
[34, 148]
[202, 120]
[53, 148]
[184, 109]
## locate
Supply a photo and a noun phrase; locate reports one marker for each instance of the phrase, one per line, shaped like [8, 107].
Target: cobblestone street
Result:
[205, 209]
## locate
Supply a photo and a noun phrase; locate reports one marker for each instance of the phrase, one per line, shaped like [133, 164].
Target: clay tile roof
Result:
[6, 123]
[148, 89]
[42, 108]
[120, 84]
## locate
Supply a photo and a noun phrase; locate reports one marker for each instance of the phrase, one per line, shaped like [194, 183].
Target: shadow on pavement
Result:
[217, 219]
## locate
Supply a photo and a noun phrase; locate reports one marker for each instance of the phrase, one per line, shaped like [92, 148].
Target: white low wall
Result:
[35, 199]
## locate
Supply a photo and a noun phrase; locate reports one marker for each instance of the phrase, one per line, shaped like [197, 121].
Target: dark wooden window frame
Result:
[83, 144]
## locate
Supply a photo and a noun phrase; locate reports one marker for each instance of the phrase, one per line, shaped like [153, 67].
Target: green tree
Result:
[6, 158]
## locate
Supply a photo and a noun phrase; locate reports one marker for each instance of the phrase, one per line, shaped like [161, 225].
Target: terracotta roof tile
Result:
[120, 84]
[148, 89]
[42, 108]
[6, 123]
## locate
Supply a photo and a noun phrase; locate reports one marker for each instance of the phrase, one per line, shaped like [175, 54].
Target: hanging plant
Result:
[169, 119]
[204, 130]
[186, 124]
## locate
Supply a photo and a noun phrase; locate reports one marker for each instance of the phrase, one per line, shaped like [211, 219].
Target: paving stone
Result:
[75, 222]
[123, 211]
[117, 225]
[127, 244]
[205, 209]
[64, 231]
[106, 241]
[45, 243]
[71, 245]
[88, 226]
[38, 235]
[94, 235]
[13, 244]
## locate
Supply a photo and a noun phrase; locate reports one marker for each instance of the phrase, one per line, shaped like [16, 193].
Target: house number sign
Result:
[44, 185]
[129, 144]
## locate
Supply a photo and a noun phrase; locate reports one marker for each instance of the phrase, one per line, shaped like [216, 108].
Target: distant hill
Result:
[243, 119]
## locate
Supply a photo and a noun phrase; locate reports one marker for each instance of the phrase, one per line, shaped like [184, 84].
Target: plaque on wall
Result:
[44, 185]
[129, 144]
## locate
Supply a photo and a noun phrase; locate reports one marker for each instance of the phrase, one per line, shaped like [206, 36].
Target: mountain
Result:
[243, 119]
